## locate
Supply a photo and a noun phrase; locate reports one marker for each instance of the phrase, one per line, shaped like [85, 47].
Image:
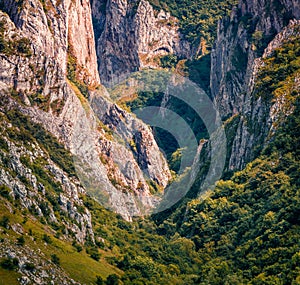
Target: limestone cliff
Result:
[52, 42]
[131, 35]
[53, 27]
[242, 39]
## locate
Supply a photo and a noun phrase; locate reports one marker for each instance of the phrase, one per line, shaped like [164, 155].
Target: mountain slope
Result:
[52, 231]
[247, 231]
[57, 83]
[240, 43]
[62, 140]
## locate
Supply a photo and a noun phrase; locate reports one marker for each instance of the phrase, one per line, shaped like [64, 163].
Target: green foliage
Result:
[21, 240]
[30, 130]
[9, 277]
[57, 106]
[19, 46]
[197, 19]
[55, 259]
[165, 140]
[9, 263]
[167, 143]
[72, 70]
[29, 266]
[4, 222]
[99, 280]
[22, 46]
[47, 180]
[38, 99]
[169, 61]
[3, 144]
[47, 239]
[247, 231]
[278, 69]
[257, 36]
[153, 186]
[199, 71]
[145, 99]
[176, 159]
[112, 279]
[77, 246]
[143, 255]
[4, 191]
[95, 255]
[231, 126]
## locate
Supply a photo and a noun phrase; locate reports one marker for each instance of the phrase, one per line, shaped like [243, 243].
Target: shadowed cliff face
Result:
[56, 42]
[131, 35]
[241, 41]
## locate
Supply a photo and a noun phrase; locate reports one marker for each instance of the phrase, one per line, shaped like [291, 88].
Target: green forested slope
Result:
[248, 230]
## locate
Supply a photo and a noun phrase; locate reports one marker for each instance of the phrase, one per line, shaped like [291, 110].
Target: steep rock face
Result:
[240, 43]
[131, 35]
[55, 27]
[81, 39]
[242, 38]
[157, 34]
[38, 81]
[260, 117]
[138, 136]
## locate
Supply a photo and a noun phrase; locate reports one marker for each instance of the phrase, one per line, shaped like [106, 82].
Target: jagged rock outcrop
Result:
[241, 40]
[131, 35]
[138, 136]
[38, 81]
[16, 173]
[259, 117]
[45, 272]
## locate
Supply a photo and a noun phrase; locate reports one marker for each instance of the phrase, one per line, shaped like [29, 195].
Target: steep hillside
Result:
[42, 208]
[52, 231]
[247, 230]
[52, 75]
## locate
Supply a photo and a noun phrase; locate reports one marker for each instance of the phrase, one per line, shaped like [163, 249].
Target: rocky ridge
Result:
[246, 36]
[53, 28]
[19, 173]
[38, 81]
